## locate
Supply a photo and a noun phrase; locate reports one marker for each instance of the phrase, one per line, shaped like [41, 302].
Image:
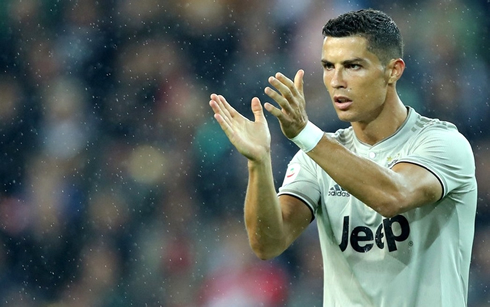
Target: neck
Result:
[387, 121]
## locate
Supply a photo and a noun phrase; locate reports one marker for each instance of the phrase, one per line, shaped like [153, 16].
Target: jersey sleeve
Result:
[447, 154]
[301, 181]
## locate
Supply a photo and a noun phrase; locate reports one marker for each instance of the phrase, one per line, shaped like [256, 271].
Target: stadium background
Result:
[119, 189]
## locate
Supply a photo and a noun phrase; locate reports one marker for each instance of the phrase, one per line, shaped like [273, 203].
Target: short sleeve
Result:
[447, 154]
[301, 181]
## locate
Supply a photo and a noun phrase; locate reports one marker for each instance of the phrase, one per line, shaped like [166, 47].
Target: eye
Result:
[353, 66]
[327, 66]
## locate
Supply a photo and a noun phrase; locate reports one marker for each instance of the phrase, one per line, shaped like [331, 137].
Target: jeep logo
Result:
[362, 238]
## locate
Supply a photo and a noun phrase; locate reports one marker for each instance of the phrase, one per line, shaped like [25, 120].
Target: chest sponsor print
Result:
[362, 238]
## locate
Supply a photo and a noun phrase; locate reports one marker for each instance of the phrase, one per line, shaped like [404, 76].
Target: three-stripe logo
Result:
[337, 190]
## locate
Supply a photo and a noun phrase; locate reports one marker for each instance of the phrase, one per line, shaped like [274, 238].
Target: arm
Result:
[272, 223]
[387, 191]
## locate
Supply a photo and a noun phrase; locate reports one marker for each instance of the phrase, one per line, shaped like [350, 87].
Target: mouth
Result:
[342, 102]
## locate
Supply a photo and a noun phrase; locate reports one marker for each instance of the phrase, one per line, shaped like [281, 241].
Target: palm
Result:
[251, 138]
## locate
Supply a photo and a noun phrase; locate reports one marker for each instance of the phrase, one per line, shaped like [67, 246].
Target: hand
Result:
[251, 138]
[292, 115]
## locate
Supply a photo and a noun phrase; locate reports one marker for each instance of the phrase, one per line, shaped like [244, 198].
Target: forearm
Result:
[378, 187]
[263, 215]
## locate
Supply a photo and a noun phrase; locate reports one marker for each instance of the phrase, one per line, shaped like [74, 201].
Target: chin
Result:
[346, 116]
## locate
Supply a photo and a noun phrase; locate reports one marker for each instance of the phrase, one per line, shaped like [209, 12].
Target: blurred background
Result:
[119, 189]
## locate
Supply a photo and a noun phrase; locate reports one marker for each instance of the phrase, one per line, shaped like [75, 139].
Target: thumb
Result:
[298, 81]
[257, 110]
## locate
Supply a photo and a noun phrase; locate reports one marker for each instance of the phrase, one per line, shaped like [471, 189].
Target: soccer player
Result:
[394, 195]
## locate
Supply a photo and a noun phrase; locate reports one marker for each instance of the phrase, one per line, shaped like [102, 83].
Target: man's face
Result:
[354, 77]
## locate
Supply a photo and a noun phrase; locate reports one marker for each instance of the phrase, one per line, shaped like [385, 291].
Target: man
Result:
[394, 194]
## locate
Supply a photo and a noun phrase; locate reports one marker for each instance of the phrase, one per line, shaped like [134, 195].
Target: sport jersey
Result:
[418, 258]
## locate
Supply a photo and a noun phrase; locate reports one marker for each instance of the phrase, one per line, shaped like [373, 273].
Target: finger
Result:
[299, 81]
[217, 105]
[225, 126]
[225, 107]
[229, 114]
[280, 99]
[213, 103]
[222, 110]
[274, 111]
[283, 85]
[257, 110]
[287, 83]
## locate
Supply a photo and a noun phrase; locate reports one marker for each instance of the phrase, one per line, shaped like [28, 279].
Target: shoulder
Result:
[439, 132]
[424, 124]
[439, 143]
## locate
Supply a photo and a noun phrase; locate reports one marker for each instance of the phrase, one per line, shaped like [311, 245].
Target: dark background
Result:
[119, 189]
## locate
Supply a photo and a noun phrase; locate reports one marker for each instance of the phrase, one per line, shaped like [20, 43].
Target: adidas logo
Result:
[337, 190]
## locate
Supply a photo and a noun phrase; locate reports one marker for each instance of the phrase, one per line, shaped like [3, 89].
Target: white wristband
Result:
[307, 139]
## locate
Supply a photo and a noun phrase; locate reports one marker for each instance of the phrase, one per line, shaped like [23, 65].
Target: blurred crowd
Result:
[119, 189]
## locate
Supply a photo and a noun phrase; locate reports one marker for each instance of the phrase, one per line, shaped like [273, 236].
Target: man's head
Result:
[380, 31]
[361, 58]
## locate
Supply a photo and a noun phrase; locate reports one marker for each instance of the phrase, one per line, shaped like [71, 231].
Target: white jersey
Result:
[418, 258]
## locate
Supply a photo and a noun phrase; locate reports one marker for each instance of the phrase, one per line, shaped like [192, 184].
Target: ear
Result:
[395, 69]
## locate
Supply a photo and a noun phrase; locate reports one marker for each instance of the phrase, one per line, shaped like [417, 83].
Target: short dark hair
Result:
[380, 31]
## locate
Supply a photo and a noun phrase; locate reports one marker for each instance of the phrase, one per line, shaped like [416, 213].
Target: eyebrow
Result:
[346, 62]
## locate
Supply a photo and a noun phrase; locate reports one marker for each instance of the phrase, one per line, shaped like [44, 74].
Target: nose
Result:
[337, 80]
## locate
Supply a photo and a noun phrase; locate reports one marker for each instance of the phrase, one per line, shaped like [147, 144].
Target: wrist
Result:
[308, 138]
[254, 163]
